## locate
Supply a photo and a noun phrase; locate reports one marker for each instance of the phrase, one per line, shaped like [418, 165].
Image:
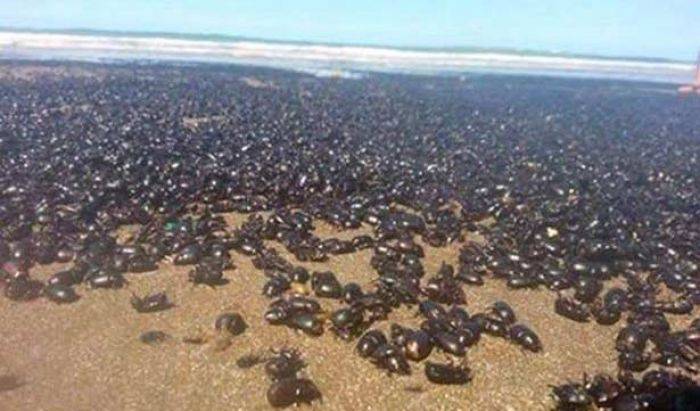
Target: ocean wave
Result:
[327, 60]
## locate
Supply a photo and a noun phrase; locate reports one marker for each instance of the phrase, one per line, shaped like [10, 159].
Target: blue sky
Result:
[653, 28]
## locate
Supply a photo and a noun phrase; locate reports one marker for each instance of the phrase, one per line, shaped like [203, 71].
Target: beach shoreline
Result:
[323, 59]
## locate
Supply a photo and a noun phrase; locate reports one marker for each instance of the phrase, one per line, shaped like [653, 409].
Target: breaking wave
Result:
[327, 60]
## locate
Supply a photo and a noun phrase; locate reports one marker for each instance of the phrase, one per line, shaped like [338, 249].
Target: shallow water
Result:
[334, 60]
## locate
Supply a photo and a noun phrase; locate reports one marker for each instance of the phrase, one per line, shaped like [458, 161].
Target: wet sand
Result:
[87, 355]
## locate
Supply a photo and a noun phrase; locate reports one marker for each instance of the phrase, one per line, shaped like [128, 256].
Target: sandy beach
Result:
[87, 355]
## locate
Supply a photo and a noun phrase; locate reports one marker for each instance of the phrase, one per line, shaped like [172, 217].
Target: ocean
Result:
[348, 61]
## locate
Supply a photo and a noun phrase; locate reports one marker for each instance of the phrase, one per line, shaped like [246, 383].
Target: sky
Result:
[639, 28]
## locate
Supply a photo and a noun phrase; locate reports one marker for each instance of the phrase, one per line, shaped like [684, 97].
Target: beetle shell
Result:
[232, 323]
[572, 310]
[285, 364]
[151, 303]
[291, 391]
[450, 343]
[525, 337]
[446, 374]
[503, 311]
[307, 323]
[417, 345]
[369, 342]
[60, 294]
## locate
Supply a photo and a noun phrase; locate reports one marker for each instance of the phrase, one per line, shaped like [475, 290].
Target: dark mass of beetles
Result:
[591, 194]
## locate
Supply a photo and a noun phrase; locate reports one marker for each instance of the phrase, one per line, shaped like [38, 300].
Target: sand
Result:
[87, 355]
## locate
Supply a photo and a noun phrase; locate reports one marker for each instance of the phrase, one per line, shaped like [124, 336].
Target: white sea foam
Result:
[326, 60]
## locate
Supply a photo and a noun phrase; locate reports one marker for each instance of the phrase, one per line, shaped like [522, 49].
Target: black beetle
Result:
[60, 293]
[447, 374]
[291, 391]
[232, 323]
